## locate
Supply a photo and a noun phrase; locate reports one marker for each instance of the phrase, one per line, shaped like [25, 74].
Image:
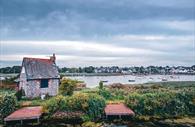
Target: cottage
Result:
[39, 77]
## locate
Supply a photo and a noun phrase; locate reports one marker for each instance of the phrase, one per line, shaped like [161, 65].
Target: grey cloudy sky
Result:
[99, 32]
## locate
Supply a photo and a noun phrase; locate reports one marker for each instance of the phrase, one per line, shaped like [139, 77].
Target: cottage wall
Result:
[23, 82]
[33, 88]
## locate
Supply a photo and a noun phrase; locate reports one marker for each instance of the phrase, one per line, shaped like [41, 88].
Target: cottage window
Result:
[44, 83]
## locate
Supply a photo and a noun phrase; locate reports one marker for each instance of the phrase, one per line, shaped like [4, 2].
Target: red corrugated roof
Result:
[118, 109]
[25, 113]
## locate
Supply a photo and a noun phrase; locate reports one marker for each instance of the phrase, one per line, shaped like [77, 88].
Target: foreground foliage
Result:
[92, 105]
[8, 103]
[163, 104]
[67, 86]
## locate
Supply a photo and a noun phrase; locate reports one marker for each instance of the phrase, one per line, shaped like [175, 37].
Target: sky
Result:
[98, 32]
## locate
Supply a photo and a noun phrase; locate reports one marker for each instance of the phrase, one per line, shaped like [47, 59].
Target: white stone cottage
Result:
[39, 77]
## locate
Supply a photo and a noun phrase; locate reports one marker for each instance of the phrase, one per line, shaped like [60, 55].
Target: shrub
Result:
[162, 104]
[118, 94]
[54, 104]
[67, 86]
[91, 105]
[96, 106]
[105, 93]
[101, 85]
[8, 104]
[19, 94]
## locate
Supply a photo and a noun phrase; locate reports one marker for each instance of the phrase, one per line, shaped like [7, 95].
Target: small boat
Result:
[164, 79]
[105, 81]
[131, 80]
[171, 76]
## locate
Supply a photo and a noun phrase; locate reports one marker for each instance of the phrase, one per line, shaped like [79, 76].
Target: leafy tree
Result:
[89, 69]
[67, 86]
[7, 70]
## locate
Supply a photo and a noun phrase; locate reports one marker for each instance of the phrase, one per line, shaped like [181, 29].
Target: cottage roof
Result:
[37, 68]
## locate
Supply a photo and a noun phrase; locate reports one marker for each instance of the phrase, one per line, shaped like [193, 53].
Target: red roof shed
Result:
[25, 113]
[118, 109]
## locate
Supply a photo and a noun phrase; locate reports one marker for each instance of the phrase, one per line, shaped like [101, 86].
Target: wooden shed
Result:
[118, 110]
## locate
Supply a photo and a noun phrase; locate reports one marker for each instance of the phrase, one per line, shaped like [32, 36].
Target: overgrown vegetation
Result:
[162, 104]
[67, 86]
[19, 94]
[8, 103]
[91, 105]
[161, 100]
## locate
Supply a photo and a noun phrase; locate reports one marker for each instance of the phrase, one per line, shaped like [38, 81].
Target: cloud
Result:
[79, 53]
[110, 32]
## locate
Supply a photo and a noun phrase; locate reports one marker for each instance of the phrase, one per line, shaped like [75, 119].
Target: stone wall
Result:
[23, 82]
[33, 88]
[52, 89]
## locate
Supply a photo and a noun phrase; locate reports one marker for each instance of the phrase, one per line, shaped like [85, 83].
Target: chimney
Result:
[53, 58]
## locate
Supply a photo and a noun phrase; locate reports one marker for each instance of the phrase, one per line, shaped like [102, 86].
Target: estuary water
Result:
[93, 81]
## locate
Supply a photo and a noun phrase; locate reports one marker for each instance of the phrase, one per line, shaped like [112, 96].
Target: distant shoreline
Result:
[96, 74]
[113, 74]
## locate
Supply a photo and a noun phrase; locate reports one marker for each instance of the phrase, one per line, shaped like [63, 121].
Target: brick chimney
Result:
[53, 58]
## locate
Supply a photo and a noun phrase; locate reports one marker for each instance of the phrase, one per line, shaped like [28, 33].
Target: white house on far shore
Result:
[39, 77]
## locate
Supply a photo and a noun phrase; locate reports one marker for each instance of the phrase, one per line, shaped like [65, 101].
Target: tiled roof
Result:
[118, 109]
[25, 113]
[37, 68]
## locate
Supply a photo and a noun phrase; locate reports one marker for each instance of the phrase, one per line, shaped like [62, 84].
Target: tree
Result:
[89, 69]
[67, 86]
[101, 85]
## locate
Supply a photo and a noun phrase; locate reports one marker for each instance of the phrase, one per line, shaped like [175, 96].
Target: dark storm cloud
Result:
[164, 26]
[84, 19]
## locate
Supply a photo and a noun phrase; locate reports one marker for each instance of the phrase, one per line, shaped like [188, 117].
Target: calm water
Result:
[93, 81]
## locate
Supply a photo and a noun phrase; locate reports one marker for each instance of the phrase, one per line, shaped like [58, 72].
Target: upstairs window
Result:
[44, 83]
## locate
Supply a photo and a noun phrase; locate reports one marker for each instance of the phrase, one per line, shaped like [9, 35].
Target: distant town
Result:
[116, 69]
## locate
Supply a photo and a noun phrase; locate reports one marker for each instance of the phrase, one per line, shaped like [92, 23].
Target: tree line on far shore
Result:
[115, 69]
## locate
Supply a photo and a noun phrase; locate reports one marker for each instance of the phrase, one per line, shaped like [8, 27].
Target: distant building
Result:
[39, 77]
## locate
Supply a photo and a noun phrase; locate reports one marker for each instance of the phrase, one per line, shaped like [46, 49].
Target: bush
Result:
[92, 105]
[67, 87]
[118, 94]
[162, 103]
[96, 106]
[19, 94]
[101, 85]
[54, 104]
[8, 104]
[105, 93]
